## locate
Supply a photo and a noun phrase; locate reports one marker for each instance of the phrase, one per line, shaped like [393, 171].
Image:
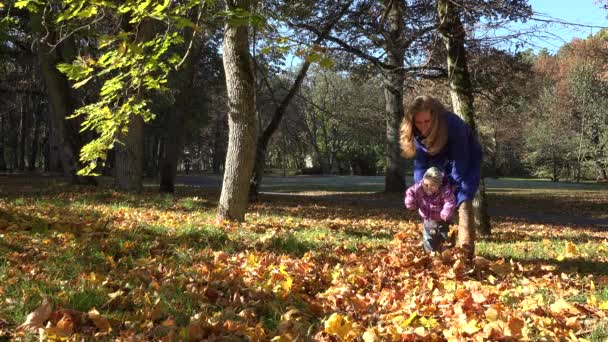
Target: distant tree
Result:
[331, 17]
[548, 152]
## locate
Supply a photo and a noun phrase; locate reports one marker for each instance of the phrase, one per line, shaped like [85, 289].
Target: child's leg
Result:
[430, 235]
[443, 234]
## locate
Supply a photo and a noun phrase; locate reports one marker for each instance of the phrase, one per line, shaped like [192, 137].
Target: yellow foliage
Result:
[337, 325]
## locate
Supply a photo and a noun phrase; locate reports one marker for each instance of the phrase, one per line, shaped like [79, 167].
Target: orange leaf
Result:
[66, 324]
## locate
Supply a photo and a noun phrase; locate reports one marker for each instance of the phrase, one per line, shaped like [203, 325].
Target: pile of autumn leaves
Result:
[379, 293]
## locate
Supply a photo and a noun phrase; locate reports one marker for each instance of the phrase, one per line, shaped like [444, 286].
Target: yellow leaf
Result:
[561, 306]
[592, 300]
[471, 327]
[604, 305]
[337, 325]
[571, 248]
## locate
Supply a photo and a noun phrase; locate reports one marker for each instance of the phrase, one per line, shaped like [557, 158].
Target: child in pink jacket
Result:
[435, 201]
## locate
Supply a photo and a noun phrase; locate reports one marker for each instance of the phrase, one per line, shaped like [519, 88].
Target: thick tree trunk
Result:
[242, 123]
[394, 180]
[62, 105]
[129, 149]
[461, 91]
[129, 154]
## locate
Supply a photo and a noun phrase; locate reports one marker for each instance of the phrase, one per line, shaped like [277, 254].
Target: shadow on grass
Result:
[368, 234]
[525, 236]
[576, 265]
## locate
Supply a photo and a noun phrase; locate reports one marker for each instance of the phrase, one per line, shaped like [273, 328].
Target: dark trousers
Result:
[434, 234]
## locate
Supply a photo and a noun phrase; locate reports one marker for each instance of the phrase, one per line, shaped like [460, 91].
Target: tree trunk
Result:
[129, 168]
[453, 33]
[394, 180]
[242, 123]
[262, 141]
[23, 130]
[264, 138]
[2, 141]
[173, 150]
[219, 153]
[129, 154]
[53, 144]
[175, 131]
[62, 105]
[36, 137]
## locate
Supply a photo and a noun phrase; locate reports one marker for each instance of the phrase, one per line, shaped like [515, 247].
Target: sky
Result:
[583, 12]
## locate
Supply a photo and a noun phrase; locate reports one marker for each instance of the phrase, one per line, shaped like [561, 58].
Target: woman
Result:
[436, 137]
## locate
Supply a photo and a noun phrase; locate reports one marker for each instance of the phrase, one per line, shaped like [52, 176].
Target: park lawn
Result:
[93, 262]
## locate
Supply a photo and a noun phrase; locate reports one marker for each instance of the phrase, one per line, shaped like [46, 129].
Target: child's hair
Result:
[434, 174]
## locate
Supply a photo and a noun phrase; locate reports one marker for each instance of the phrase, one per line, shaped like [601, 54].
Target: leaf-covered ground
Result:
[84, 263]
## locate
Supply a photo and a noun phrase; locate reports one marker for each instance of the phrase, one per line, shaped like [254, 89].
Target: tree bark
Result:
[2, 141]
[36, 137]
[129, 151]
[174, 141]
[453, 33]
[23, 133]
[62, 104]
[129, 155]
[242, 123]
[67, 130]
[394, 180]
[219, 152]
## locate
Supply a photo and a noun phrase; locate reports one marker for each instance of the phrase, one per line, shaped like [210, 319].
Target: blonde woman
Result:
[433, 136]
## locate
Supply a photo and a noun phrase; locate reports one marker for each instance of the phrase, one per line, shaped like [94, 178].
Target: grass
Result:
[123, 253]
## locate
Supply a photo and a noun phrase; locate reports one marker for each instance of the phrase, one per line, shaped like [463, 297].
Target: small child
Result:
[435, 202]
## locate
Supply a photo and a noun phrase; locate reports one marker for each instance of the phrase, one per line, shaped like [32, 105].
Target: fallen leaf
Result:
[102, 323]
[337, 325]
[38, 317]
[561, 307]
[370, 335]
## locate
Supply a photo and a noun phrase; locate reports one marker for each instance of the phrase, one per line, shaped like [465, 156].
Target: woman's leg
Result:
[466, 228]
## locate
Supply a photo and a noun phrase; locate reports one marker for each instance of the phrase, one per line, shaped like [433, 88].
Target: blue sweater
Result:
[460, 159]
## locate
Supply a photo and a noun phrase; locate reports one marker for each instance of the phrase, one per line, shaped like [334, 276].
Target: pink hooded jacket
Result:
[438, 207]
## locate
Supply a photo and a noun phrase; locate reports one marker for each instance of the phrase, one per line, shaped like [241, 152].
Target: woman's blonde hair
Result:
[438, 135]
